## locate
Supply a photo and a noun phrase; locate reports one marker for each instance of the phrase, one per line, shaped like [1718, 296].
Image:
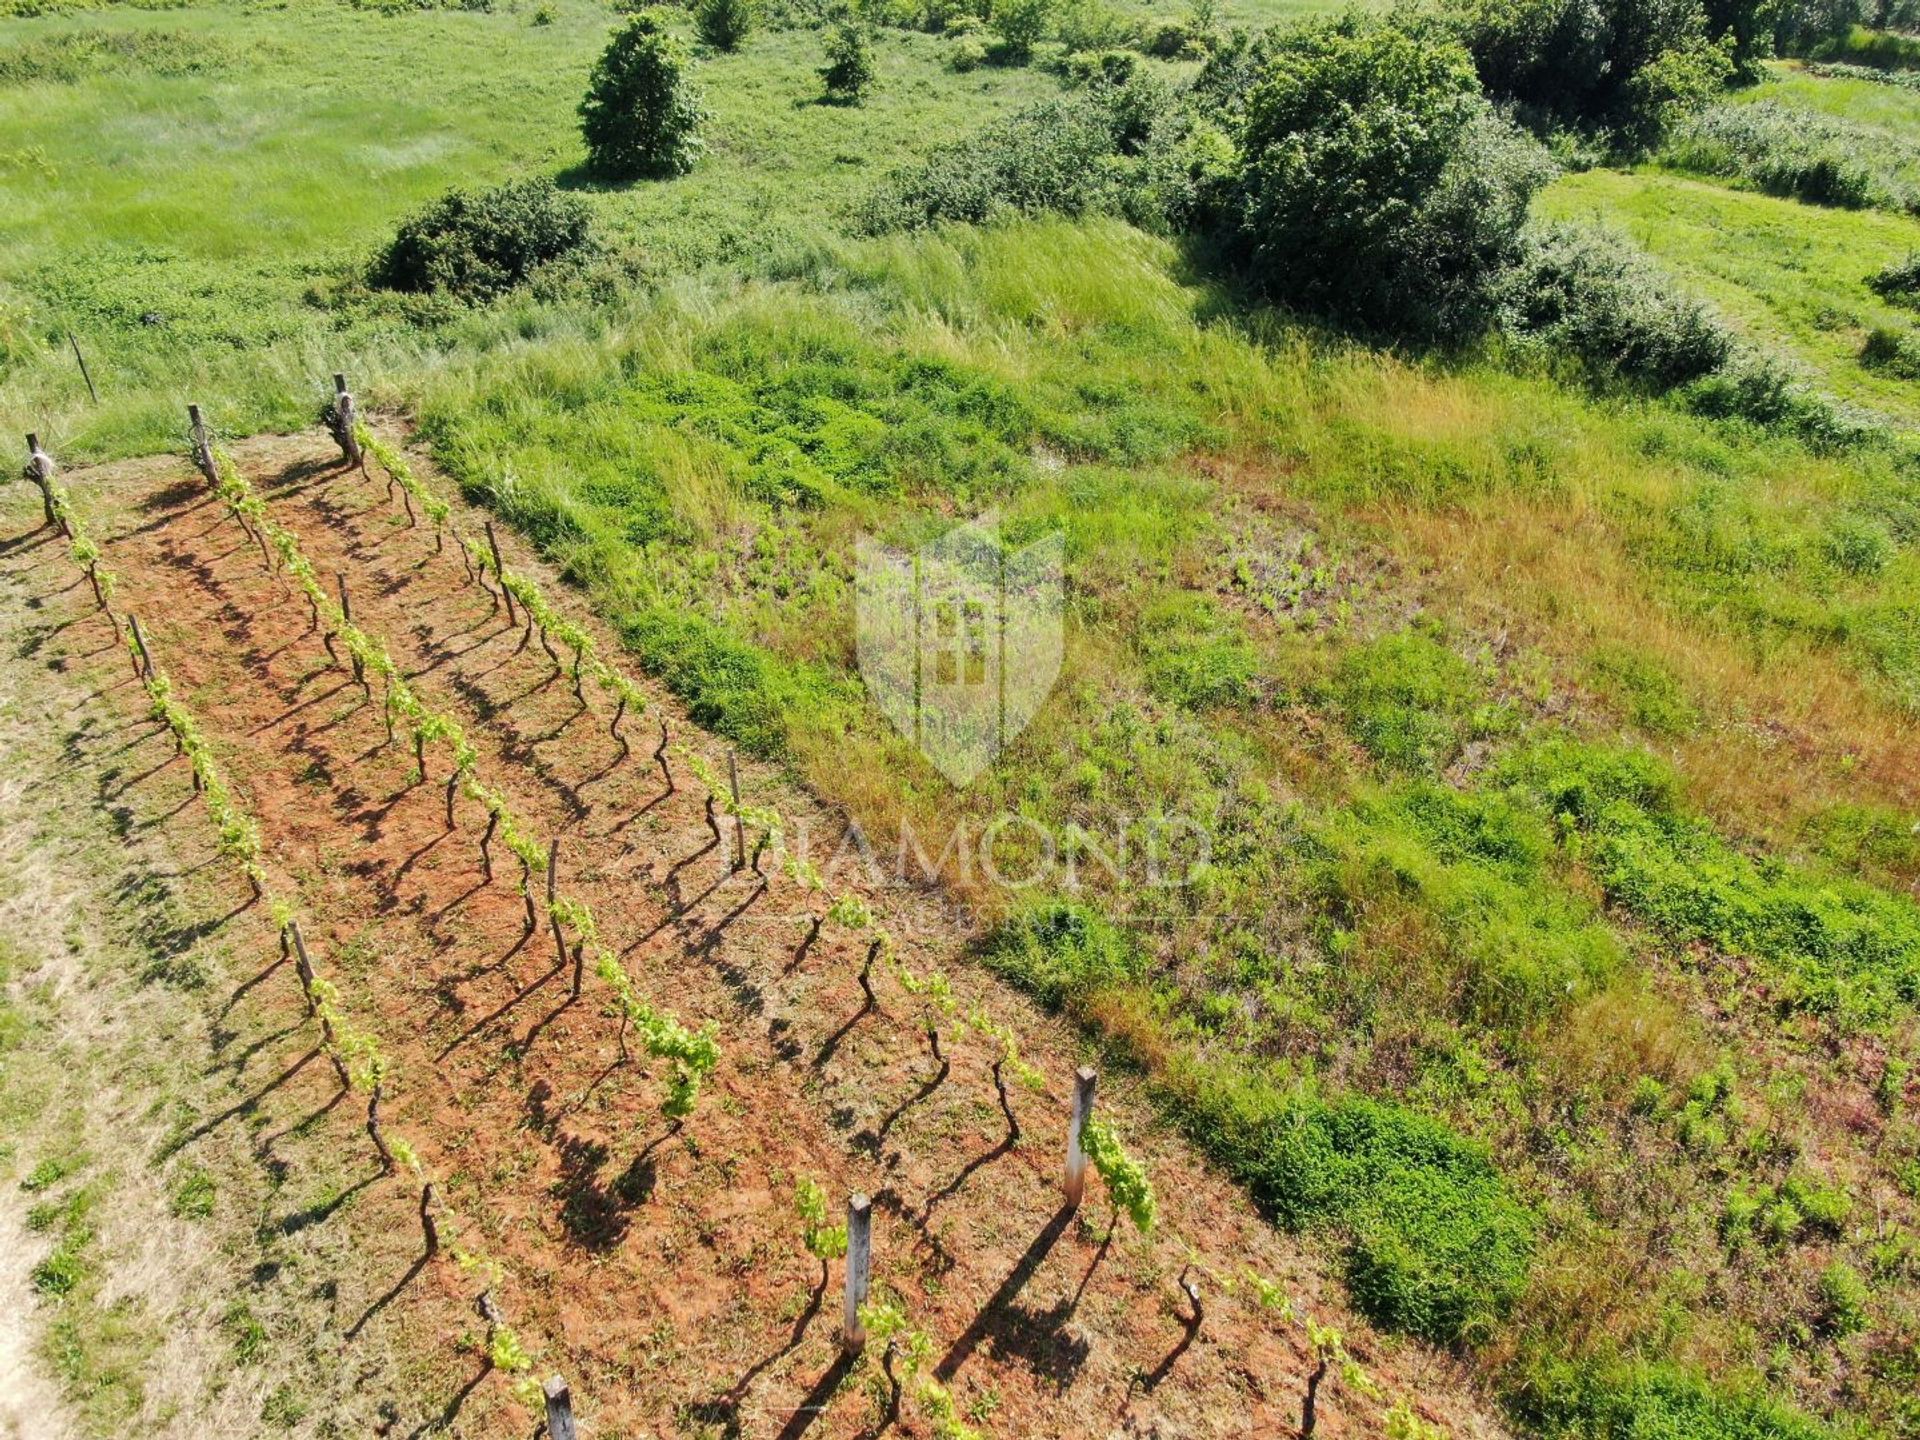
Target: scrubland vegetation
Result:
[1484, 443]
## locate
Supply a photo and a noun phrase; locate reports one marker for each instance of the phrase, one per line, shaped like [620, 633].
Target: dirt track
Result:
[660, 1268]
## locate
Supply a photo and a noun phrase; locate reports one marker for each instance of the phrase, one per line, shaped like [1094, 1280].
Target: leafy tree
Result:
[1630, 67]
[724, 24]
[849, 72]
[641, 116]
[1377, 185]
[1021, 25]
[477, 245]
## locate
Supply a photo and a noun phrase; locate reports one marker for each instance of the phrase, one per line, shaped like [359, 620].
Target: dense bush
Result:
[1900, 281]
[1082, 25]
[1021, 25]
[1596, 1402]
[1122, 149]
[724, 24]
[1377, 185]
[1589, 293]
[1895, 351]
[476, 245]
[1797, 153]
[1629, 67]
[1763, 390]
[849, 72]
[1862, 46]
[641, 116]
[1064, 953]
[1439, 1247]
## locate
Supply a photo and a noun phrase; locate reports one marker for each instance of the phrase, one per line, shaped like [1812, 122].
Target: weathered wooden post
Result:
[359, 665]
[202, 447]
[739, 825]
[346, 421]
[40, 471]
[140, 644]
[560, 1424]
[859, 1271]
[301, 963]
[500, 569]
[553, 896]
[1084, 1083]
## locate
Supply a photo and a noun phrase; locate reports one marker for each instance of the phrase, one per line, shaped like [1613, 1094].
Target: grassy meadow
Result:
[1556, 945]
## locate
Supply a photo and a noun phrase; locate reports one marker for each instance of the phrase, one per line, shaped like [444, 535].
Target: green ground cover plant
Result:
[1466, 959]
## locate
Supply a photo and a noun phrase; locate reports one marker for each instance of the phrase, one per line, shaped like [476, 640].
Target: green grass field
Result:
[1792, 276]
[1556, 747]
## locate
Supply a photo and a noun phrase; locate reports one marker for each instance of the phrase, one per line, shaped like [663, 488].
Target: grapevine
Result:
[693, 1054]
[1126, 1177]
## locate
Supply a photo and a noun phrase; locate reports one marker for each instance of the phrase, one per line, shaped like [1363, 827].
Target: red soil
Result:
[660, 1269]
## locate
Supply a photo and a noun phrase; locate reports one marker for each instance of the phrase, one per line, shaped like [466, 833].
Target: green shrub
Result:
[1174, 40]
[1076, 155]
[1645, 691]
[1764, 390]
[1021, 25]
[1844, 1298]
[1797, 153]
[1896, 351]
[1899, 281]
[1598, 1401]
[724, 24]
[641, 115]
[1859, 545]
[1193, 654]
[1631, 69]
[1865, 46]
[849, 72]
[1083, 25]
[1406, 699]
[1377, 185]
[476, 246]
[1439, 1246]
[1589, 293]
[1831, 945]
[966, 53]
[1064, 952]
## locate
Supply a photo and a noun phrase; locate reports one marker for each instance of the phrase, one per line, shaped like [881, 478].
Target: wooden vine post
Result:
[145, 664]
[553, 914]
[345, 421]
[301, 963]
[859, 1271]
[1085, 1081]
[202, 446]
[346, 618]
[500, 569]
[560, 1424]
[40, 471]
[739, 824]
